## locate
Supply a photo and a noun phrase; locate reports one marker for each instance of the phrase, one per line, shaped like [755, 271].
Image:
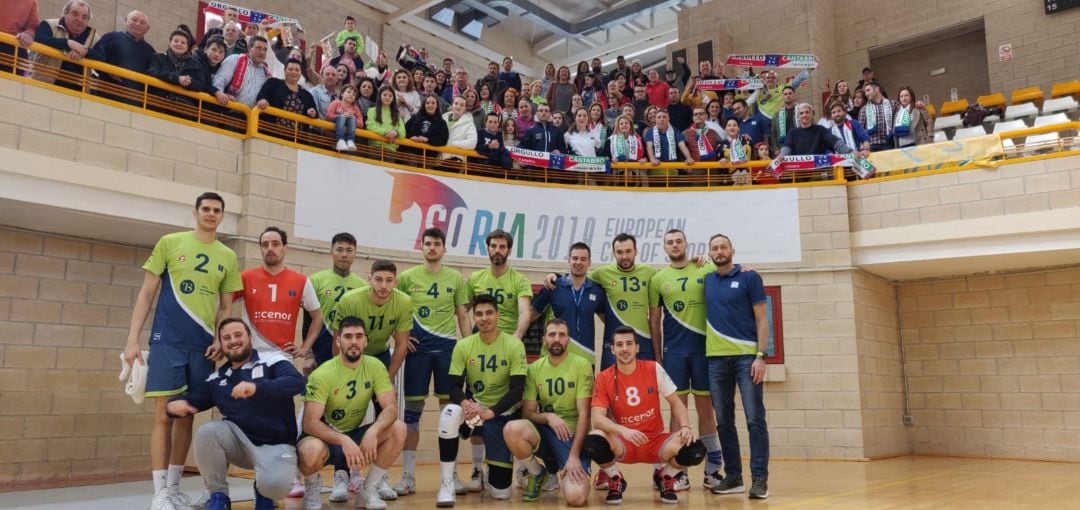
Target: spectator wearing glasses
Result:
[458, 87]
[702, 140]
[235, 43]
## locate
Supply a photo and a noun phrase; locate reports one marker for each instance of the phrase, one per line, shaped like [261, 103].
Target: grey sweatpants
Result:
[220, 443]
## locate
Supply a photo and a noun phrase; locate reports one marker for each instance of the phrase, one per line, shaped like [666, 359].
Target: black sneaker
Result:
[729, 485]
[616, 487]
[667, 490]
[657, 480]
[759, 489]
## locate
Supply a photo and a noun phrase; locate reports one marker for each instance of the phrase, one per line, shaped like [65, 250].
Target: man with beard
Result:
[487, 379]
[736, 339]
[335, 404]
[273, 295]
[677, 322]
[388, 313]
[575, 300]
[555, 407]
[254, 393]
[440, 310]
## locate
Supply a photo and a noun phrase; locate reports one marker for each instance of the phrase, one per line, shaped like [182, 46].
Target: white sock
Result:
[311, 479]
[612, 471]
[712, 449]
[532, 466]
[478, 456]
[448, 470]
[409, 458]
[669, 471]
[658, 466]
[160, 477]
[173, 478]
[374, 477]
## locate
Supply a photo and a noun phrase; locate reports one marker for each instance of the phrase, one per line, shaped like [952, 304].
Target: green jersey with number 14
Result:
[487, 367]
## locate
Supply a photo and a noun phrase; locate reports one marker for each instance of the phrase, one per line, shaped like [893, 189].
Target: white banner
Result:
[389, 208]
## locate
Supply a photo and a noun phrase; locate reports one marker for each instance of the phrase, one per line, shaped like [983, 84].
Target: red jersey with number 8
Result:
[272, 305]
[634, 400]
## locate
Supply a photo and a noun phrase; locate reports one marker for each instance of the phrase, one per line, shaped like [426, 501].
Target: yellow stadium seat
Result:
[931, 110]
[1032, 94]
[1067, 88]
[997, 99]
[953, 107]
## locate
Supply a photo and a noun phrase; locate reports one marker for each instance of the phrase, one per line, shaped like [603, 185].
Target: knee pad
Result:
[598, 449]
[691, 455]
[450, 419]
[413, 410]
[499, 479]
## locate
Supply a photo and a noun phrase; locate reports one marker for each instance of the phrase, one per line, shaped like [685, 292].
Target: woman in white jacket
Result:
[461, 127]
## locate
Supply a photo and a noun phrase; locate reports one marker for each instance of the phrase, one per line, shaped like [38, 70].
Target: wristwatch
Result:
[760, 355]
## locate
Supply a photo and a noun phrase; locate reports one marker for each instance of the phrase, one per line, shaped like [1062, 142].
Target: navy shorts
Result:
[337, 455]
[172, 370]
[384, 357]
[420, 367]
[552, 449]
[689, 372]
[496, 453]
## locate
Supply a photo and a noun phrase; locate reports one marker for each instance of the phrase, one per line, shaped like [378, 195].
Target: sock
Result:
[311, 479]
[658, 466]
[611, 471]
[478, 456]
[669, 471]
[374, 477]
[160, 477]
[409, 458]
[532, 466]
[713, 460]
[448, 469]
[172, 479]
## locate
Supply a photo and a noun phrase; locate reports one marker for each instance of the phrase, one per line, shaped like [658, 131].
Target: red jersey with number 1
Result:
[272, 305]
[634, 400]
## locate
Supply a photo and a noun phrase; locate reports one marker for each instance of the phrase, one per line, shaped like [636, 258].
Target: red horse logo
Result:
[425, 192]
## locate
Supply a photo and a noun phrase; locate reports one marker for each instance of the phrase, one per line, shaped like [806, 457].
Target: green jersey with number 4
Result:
[380, 322]
[435, 298]
[556, 389]
[346, 392]
[487, 367]
[506, 290]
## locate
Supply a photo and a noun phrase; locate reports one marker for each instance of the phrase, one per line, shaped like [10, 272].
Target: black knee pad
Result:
[691, 455]
[500, 477]
[598, 449]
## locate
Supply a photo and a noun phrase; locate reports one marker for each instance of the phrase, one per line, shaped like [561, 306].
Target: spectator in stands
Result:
[491, 79]
[620, 68]
[657, 90]
[714, 117]
[427, 126]
[580, 74]
[736, 151]
[368, 93]
[575, 103]
[472, 106]
[678, 76]
[287, 94]
[490, 143]
[705, 70]
[234, 42]
[663, 144]
[458, 87]
[624, 145]
[771, 97]
[911, 125]
[681, 115]
[408, 100]
[809, 138]
[508, 76]
[241, 77]
[448, 66]
[615, 102]
[847, 129]
[548, 80]
[695, 98]
[70, 34]
[877, 117]
[535, 96]
[381, 72]
[544, 136]
[252, 29]
[868, 77]
[756, 126]
[858, 101]
[430, 90]
[177, 66]
[344, 74]
[636, 76]
[524, 120]
[487, 99]
[558, 119]
[640, 102]
[597, 122]
[327, 90]
[625, 86]
[209, 59]
[784, 119]
[628, 109]
[560, 93]
[840, 92]
[440, 81]
[418, 79]
[347, 118]
[349, 32]
[729, 104]
[383, 119]
[593, 91]
[20, 19]
[650, 119]
[461, 127]
[762, 175]
[580, 139]
[307, 76]
[350, 57]
[509, 103]
[509, 133]
[702, 140]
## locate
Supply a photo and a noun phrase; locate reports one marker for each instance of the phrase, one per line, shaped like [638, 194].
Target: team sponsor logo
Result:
[423, 312]
[678, 306]
[187, 286]
[327, 292]
[478, 386]
[472, 362]
[292, 293]
[640, 417]
[181, 258]
[337, 414]
[622, 305]
[270, 315]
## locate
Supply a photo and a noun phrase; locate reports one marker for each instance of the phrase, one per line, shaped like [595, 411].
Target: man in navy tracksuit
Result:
[544, 136]
[254, 392]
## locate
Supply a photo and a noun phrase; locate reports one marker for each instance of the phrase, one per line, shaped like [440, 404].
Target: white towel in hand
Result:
[135, 373]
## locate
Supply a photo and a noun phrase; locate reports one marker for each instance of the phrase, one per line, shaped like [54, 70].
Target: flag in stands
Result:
[560, 161]
[781, 61]
[247, 15]
[739, 84]
[859, 164]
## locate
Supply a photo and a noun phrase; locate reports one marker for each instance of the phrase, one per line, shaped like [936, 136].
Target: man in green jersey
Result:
[335, 404]
[677, 322]
[330, 285]
[440, 309]
[197, 275]
[387, 313]
[487, 379]
[626, 285]
[556, 407]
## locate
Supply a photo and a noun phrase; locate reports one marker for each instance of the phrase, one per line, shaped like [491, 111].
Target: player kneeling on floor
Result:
[254, 393]
[491, 365]
[629, 425]
[338, 395]
[558, 394]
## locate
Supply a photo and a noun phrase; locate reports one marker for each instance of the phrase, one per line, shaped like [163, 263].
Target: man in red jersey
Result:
[273, 295]
[629, 426]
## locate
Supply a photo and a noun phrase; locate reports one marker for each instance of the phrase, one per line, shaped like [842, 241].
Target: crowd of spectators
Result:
[627, 113]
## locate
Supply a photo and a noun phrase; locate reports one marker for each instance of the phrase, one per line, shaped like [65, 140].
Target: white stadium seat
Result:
[1021, 110]
[1010, 125]
[948, 121]
[1061, 104]
[1046, 120]
[969, 132]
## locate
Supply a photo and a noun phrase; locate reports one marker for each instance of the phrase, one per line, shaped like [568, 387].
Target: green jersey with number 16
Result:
[506, 290]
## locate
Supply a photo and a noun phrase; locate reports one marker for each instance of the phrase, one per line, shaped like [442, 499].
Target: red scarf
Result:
[239, 72]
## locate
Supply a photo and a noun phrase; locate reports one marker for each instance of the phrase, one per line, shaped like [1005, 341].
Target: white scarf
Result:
[625, 147]
[672, 145]
[738, 151]
[781, 118]
[903, 117]
[871, 113]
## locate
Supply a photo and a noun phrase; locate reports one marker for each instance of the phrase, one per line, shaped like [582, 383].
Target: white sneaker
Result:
[182, 500]
[446, 496]
[407, 484]
[519, 477]
[384, 490]
[476, 482]
[356, 481]
[712, 479]
[163, 500]
[552, 483]
[341, 486]
[459, 487]
[313, 492]
[370, 499]
[500, 494]
[297, 490]
[682, 481]
[352, 145]
[342, 146]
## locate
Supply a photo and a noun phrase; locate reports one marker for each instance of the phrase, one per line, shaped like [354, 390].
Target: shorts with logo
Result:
[648, 453]
[421, 367]
[172, 369]
[554, 450]
[689, 372]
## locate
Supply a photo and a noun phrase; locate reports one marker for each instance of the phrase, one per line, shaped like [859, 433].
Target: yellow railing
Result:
[157, 98]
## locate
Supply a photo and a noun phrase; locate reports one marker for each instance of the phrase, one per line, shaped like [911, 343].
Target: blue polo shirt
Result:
[578, 308]
[731, 329]
[756, 126]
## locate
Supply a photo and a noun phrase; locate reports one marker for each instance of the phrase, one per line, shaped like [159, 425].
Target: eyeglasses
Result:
[699, 113]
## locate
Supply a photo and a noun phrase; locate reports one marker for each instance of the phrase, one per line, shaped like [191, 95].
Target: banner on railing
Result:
[249, 15]
[398, 205]
[966, 152]
[736, 84]
[780, 61]
[858, 164]
[592, 165]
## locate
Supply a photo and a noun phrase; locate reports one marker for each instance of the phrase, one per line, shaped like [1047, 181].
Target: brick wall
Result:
[877, 330]
[962, 57]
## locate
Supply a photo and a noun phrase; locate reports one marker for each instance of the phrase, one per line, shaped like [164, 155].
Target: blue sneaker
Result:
[219, 501]
[263, 502]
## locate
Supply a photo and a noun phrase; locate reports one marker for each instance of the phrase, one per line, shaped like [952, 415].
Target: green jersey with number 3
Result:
[346, 392]
[487, 367]
[556, 389]
[380, 322]
[506, 290]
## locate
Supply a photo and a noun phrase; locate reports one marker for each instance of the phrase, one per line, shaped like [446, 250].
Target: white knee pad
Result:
[450, 420]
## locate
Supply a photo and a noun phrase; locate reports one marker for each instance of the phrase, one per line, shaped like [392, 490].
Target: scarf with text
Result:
[671, 144]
